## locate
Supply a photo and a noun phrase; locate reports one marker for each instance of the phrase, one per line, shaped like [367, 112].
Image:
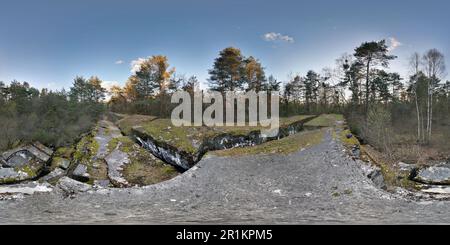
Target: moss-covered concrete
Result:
[85, 152]
[286, 145]
[127, 122]
[144, 168]
[190, 138]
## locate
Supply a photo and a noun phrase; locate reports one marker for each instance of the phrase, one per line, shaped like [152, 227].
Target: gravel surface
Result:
[317, 185]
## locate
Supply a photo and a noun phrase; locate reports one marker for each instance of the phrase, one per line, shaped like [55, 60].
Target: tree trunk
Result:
[367, 90]
[418, 119]
[428, 111]
[431, 115]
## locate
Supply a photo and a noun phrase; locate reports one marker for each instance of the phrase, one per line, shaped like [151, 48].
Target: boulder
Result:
[24, 163]
[102, 183]
[43, 148]
[11, 175]
[62, 163]
[356, 151]
[433, 175]
[39, 154]
[81, 173]
[3, 163]
[54, 176]
[377, 178]
[19, 159]
[70, 186]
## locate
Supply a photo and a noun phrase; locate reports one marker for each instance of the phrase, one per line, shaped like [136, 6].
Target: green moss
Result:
[31, 172]
[348, 192]
[129, 121]
[8, 181]
[349, 142]
[85, 153]
[55, 162]
[126, 144]
[112, 144]
[144, 169]
[188, 138]
[86, 148]
[64, 152]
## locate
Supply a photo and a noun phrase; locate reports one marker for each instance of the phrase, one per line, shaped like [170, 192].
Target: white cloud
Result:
[394, 43]
[119, 62]
[136, 64]
[273, 37]
[109, 84]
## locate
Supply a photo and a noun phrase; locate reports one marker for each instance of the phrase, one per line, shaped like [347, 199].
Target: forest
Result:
[55, 118]
[404, 117]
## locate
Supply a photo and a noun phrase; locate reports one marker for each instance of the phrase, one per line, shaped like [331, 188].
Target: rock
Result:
[53, 176]
[356, 151]
[71, 186]
[434, 175]
[437, 190]
[116, 161]
[24, 163]
[2, 162]
[10, 175]
[27, 189]
[102, 183]
[19, 159]
[41, 155]
[43, 148]
[81, 173]
[406, 167]
[63, 163]
[377, 178]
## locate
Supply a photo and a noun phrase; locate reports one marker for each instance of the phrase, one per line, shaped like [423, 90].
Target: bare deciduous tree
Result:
[434, 66]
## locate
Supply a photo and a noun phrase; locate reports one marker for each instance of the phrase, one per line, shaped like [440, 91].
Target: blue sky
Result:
[49, 42]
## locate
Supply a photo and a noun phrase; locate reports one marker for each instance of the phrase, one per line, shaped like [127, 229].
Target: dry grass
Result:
[129, 121]
[144, 168]
[326, 120]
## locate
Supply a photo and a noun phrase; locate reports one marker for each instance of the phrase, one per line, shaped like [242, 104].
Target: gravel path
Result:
[317, 185]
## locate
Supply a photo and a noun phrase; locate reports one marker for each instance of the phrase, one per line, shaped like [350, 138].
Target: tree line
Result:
[360, 86]
[55, 118]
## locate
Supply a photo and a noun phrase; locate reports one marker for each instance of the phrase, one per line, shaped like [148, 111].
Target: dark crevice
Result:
[183, 160]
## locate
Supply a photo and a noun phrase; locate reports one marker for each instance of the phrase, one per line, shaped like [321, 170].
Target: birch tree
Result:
[434, 67]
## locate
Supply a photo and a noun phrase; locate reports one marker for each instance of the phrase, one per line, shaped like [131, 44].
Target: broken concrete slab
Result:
[434, 175]
[81, 173]
[19, 159]
[10, 175]
[54, 176]
[62, 163]
[102, 183]
[27, 189]
[116, 161]
[70, 186]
